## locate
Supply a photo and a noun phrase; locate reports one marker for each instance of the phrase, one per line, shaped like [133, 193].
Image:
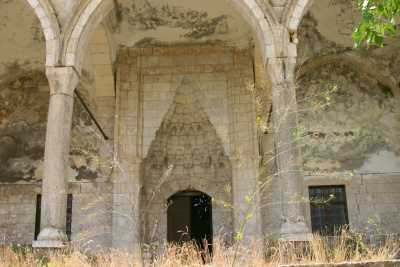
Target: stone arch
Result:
[354, 62]
[45, 13]
[83, 26]
[93, 13]
[295, 12]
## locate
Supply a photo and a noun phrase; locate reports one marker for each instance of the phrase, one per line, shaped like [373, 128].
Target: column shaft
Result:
[288, 162]
[126, 209]
[62, 83]
[247, 217]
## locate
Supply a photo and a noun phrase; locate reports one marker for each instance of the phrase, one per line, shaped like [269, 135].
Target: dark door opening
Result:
[190, 219]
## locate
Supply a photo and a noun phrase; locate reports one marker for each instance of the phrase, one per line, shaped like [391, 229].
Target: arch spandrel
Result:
[94, 12]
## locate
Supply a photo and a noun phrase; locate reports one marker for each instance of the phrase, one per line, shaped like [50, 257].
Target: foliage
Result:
[378, 21]
[348, 246]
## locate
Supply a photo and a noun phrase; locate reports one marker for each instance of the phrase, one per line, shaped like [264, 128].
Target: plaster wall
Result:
[22, 39]
[349, 116]
[171, 22]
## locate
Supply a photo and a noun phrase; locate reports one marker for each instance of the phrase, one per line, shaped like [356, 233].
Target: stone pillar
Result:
[126, 208]
[128, 134]
[244, 158]
[62, 82]
[288, 161]
[247, 215]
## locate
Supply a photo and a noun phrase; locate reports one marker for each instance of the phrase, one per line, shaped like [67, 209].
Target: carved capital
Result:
[62, 80]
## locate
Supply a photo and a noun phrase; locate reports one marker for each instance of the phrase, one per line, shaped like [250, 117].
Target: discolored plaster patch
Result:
[336, 20]
[23, 111]
[344, 118]
[21, 35]
[147, 16]
[177, 21]
[90, 154]
[312, 42]
[24, 99]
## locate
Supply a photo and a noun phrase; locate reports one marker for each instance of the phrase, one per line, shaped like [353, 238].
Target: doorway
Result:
[189, 218]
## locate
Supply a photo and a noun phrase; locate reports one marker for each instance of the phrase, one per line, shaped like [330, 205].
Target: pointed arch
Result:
[295, 12]
[354, 62]
[50, 27]
[93, 13]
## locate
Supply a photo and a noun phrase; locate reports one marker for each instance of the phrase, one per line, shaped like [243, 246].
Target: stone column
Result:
[247, 216]
[62, 81]
[128, 134]
[288, 161]
[244, 158]
[126, 208]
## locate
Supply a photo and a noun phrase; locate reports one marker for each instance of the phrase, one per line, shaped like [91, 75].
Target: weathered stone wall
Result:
[349, 116]
[89, 176]
[348, 101]
[91, 213]
[24, 98]
[189, 108]
[17, 213]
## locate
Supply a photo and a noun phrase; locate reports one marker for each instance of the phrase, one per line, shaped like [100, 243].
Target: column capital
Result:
[62, 80]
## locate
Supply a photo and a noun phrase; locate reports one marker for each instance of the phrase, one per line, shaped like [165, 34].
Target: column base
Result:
[295, 231]
[50, 238]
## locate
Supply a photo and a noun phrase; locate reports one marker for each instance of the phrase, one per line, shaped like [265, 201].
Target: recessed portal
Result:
[190, 218]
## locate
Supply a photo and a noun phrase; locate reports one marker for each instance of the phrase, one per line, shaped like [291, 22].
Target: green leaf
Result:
[378, 21]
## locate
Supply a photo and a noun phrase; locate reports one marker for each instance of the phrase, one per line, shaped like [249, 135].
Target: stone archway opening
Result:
[189, 219]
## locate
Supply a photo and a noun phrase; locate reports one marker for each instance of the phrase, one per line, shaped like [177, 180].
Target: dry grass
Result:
[346, 247]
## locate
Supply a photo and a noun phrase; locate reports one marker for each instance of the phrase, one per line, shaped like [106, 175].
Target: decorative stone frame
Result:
[325, 180]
